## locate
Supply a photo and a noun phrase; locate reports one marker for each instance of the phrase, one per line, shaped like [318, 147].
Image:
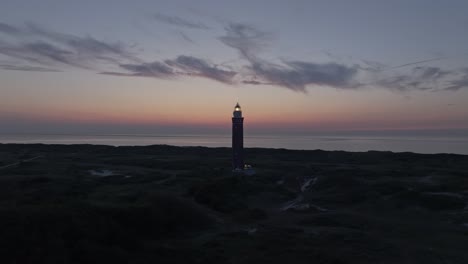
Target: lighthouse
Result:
[237, 139]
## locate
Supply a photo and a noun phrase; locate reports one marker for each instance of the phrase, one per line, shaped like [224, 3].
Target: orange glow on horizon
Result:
[252, 122]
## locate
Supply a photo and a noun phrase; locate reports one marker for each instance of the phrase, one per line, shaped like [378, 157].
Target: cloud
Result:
[35, 48]
[180, 66]
[430, 72]
[86, 46]
[254, 82]
[297, 75]
[372, 66]
[185, 37]
[10, 67]
[460, 83]
[197, 67]
[178, 21]
[294, 75]
[154, 69]
[39, 52]
[418, 62]
[52, 49]
[8, 29]
[34, 44]
[426, 78]
[247, 39]
[399, 82]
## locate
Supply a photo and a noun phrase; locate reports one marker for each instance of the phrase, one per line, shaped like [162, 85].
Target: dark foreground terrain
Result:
[163, 204]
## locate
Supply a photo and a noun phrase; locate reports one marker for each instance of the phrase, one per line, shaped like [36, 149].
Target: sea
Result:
[424, 144]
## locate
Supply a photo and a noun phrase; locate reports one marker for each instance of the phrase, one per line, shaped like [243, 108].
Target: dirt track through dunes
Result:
[19, 162]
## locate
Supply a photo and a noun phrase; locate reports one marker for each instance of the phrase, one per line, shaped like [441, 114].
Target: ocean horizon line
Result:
[359, 143]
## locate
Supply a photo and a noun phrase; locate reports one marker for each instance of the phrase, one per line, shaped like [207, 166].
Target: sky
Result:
[180, 66]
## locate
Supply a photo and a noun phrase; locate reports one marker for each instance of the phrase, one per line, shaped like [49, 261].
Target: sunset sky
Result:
[151, 66]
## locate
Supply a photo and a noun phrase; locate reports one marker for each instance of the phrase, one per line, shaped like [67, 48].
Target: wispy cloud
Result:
[460, 83]
[298, 75]
[36, 45]
[35, 48]
[255, 82]
[26, 68]
[192, 66]
[8, 29]
[372, 66]
[247, 39]
[425, 78]
[294, 75]
[186, 37]
[180, 66]
[41, 53]
[178, 21]
[154, 69]
[417, 62]
[87, 46]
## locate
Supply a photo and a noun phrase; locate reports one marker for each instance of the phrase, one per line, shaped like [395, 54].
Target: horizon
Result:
[424, 133]
[179, 67]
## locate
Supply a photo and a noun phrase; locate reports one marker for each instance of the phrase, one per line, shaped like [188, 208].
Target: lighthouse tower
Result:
[237, 139]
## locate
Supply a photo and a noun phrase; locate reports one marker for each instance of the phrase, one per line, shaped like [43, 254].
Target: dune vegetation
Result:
[165, 204]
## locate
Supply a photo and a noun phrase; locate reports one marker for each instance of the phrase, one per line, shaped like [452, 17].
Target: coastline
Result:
[192, 147]
[354, 143]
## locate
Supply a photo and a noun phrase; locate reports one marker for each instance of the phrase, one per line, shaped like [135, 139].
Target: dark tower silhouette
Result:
[237, 139]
